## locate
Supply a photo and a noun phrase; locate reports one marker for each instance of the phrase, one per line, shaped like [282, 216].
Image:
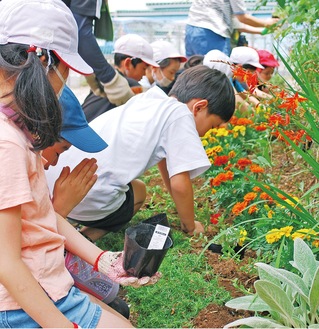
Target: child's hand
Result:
[71, 187]
[111, 264]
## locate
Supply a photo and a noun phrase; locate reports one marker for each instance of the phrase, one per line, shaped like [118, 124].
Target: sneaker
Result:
[120, 306]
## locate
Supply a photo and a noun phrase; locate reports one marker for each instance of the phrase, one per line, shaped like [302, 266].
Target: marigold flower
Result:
[265, 196]
[256, 169]
[204, 142]
[239, 129]
[250, 196]
[222, 132]
[304, 233]
[257, 189]
[243, 236]
[286, 230]
[214, 218]
[273, 236]
[252, 209]
[244, 122]
[221, 177]
[231, 154]
[243, 162]
[220, 160]
[239, 207]
[261, 127]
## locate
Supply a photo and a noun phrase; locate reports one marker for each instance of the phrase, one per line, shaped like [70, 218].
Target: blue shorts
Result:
[199, 41]
[76, 306]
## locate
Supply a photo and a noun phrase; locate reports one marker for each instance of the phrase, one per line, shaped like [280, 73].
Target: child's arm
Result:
[181, 189]
[17, 278]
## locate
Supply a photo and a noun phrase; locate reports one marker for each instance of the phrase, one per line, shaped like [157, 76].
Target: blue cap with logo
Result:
[75, 128]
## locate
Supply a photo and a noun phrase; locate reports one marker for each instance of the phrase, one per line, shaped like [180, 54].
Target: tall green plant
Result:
[290, 300]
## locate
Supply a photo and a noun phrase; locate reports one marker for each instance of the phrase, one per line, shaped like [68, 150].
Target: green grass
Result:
[188, 283]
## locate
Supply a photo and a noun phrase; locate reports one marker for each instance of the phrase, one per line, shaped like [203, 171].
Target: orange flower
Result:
[256, 169]
[250, 196]
[291, 103]
[243, 122]
[250, 78]
[261, 127]
[265, 196]
[243, 162]
[220, 160]
[252, 209]
[257, 189]
[277, 119]
[239, 207]
[233, 120]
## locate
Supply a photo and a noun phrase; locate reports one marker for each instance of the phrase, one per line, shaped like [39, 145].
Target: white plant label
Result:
[159, 237]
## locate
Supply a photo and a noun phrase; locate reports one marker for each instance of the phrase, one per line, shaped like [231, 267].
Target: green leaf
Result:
[313, 295]
[249, 303]
[291, 279]
[276, 298]
[265, 275]
[255, 322]
[304, 259]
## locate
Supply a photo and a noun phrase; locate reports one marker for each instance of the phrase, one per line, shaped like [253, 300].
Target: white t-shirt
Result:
[215, 15]
[150, 127]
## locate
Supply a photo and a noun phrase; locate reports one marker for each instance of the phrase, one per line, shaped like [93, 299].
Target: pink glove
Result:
[111, 264]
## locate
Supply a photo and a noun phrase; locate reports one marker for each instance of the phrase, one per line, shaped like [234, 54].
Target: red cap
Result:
[267, 59]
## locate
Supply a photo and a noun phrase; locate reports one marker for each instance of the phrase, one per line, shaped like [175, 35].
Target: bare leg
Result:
[139, 190]
[93, 233]
[109, 317]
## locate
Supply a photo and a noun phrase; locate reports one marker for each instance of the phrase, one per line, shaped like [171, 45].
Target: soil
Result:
[217, 316]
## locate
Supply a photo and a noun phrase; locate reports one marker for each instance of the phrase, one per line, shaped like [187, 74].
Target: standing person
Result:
[152, 129]
[210, 25]
[132, 56]
[35, 287]
[105, 82]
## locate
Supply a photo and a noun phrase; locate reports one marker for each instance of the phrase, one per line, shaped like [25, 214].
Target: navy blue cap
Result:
[75, 128]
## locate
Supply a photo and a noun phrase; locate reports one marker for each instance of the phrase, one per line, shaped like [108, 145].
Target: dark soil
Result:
[217, 316]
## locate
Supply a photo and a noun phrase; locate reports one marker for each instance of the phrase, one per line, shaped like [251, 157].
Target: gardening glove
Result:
[95, 85]
[111, 264]
[118, 90]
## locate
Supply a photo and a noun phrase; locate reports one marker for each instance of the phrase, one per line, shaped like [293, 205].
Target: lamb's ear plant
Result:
[288, 299]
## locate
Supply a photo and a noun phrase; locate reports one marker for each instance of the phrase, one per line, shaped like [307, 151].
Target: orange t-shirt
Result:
[23, 182]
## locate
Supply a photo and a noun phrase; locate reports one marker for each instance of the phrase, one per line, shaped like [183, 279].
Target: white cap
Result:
[164, 49]
[211, 60]
[135, 46]
[47, 24]
[245, 55]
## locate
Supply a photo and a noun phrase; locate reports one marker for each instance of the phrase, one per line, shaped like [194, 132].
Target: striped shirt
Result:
[215, 15]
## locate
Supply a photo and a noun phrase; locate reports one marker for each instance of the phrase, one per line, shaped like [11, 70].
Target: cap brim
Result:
[74, 62]
[256, 65]
[85, 139]
[149, 61]
[183, 59]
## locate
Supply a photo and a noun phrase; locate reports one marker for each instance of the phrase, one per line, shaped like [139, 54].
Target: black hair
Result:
[36, 102]
[119, 58]
[249, 67]
[193, 61]
[167, 61]
[205, 83]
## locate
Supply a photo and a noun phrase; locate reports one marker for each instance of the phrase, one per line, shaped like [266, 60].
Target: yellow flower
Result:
[243, 235]
[217, 149]
[274, 235]
[270, 213]
[291, 203]
[231, 154]
[208, 134]
[240, 129]
[213, 191]
[222, 132]
[286, 230]
[204, 142]
[304, 233]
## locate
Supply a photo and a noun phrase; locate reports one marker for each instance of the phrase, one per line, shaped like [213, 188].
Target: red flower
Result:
[220, 160]
[291, 103]
[214, 218]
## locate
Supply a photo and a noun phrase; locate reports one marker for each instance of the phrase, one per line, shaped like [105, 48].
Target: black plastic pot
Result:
[218, 249]
[160, 219]
[138, 260]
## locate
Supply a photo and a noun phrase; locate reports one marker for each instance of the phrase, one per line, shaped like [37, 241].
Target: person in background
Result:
[132, 57]
[248, 59]
[193, 61]
[269, 62]
[36, 288]
[152, 129]
[169, 60]
[210, 25]
[105, 82]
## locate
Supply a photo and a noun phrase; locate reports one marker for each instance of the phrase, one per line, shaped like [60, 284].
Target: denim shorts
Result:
[199, 41]
[76, 306]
